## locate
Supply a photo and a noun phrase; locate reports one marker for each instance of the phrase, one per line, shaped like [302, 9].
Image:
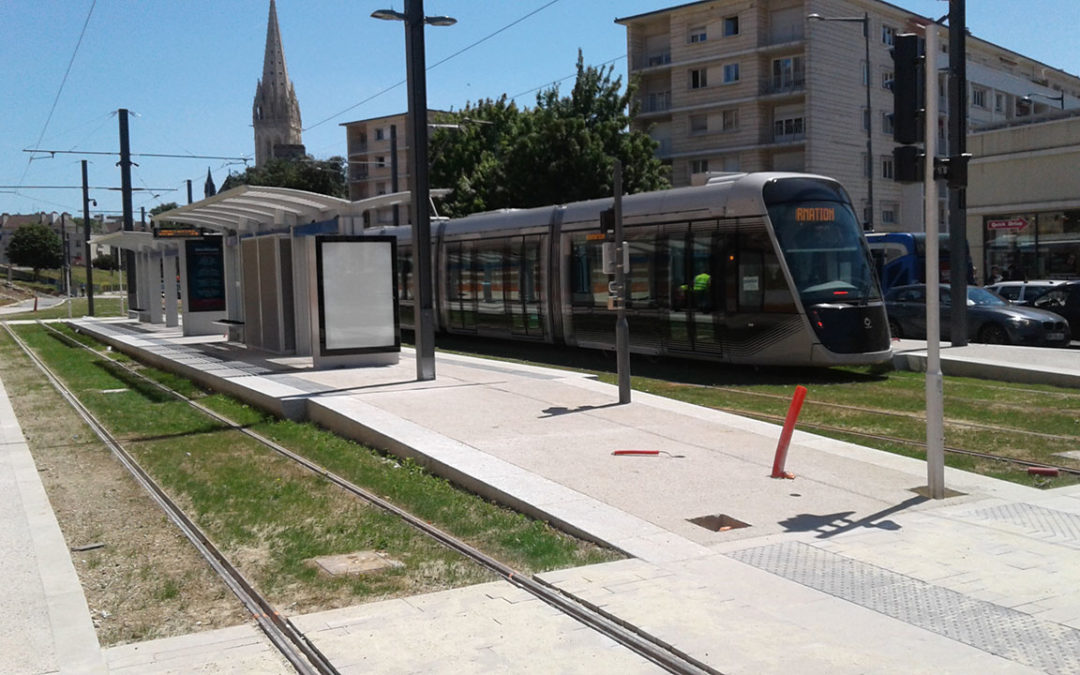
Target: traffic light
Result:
[907, 88]
[908, 164]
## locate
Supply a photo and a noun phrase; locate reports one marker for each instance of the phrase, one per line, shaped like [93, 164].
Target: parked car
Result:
[1024, 292]
[990, 318]
[1063, 299]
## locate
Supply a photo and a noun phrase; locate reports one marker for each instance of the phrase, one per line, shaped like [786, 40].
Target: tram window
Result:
[641, 276]
[587, 278]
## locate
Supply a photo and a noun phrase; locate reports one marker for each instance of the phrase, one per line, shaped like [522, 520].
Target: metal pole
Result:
[394, 171]
[622, 328]
[86, 243]
[935, 399]
[125, 194]
[424, 314]
[869, 128]
[958, 254]
[188, 190]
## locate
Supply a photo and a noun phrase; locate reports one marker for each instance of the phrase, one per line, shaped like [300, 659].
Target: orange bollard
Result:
[785, 435]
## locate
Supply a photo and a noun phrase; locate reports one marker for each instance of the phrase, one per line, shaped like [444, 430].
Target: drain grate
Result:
[1001, 631]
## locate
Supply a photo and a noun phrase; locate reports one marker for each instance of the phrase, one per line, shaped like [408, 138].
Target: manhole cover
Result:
[718, 523]
[360, 562]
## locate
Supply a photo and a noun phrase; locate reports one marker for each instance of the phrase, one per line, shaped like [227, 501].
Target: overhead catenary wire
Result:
[434, 65]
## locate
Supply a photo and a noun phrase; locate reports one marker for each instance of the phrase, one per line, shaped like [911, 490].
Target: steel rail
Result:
[292, 644]
[633, 638]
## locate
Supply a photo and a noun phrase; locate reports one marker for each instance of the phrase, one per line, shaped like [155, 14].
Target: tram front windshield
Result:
[824, 248]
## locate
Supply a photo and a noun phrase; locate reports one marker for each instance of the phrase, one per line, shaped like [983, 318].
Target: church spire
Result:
[276, 112]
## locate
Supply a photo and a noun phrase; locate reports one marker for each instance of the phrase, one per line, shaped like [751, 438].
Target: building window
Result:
[787, 73]
[887, 78]
[978, 97]
[888, 35]
[379, 134]
[999, 103]
[699, 124]
[699, 78]
[887, 168]
[788, 129]
[731, 73]
[730, 120]
[699, 166]
[380, 188]
[731, 26]
[890, 213]
[697, 34]
[380, 161]
[886, 122]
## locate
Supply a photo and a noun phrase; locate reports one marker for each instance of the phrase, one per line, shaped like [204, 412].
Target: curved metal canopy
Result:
[250, 209]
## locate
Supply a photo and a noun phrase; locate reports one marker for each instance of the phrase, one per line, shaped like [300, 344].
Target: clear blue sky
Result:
[187, 69]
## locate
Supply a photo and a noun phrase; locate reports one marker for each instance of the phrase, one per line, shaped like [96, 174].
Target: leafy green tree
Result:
[324, 176]
[37, 246]
[563, 150]
[104, 261]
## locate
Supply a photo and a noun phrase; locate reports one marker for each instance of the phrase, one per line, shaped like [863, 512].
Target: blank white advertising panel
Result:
[357, 294]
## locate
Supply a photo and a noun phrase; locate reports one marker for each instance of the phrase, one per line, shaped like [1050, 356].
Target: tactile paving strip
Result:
[1062, 526]
[1004, 632]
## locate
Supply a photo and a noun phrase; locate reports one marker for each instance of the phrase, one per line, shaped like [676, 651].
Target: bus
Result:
[900, 258]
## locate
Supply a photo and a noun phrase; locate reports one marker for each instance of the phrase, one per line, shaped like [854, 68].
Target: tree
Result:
[324, 176]
[499, 156]
[36, 246]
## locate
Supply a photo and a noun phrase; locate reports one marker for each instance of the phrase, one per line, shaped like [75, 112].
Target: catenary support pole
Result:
[125, 200]
[87, 258]
[958, 253]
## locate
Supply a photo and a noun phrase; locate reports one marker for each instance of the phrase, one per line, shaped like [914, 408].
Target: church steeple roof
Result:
[275, 73]
[276, 112]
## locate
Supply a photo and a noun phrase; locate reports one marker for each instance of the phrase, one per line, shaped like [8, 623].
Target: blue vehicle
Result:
[900, 258]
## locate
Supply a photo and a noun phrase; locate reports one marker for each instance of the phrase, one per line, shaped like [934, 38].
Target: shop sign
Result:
[1007, 224]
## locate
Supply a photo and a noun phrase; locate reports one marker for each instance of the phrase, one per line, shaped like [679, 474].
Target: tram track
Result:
[286, 638]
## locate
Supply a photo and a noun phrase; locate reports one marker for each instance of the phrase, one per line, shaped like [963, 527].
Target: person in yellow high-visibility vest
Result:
[702, 291]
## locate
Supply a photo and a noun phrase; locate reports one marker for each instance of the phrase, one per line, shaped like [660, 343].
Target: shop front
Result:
[1031, 245]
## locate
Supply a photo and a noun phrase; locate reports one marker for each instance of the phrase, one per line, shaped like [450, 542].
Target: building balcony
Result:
[783, 85]
[656, 102]
[652, 59]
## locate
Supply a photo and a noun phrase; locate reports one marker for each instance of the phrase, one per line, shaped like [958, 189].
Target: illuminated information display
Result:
[815, 214]
[205, 275]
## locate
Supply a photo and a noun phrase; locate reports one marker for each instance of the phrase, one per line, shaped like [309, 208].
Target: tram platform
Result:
[843, 569]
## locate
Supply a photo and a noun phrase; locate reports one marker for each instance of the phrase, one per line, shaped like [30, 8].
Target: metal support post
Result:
[935, 396]
[86, 243]
[125, 199]
[424, 312]
[958, 253]
[622, 328]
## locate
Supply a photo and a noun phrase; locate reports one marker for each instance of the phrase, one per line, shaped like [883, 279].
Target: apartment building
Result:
[757, 85]
[379, 163]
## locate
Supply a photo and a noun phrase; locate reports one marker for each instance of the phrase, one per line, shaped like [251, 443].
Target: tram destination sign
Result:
[177, 231]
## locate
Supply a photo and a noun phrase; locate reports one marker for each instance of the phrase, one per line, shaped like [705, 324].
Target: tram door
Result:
[461, 287]
[695, 286]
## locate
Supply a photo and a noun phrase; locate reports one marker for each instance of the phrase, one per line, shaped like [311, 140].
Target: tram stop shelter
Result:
[156, 262]
[298, 276]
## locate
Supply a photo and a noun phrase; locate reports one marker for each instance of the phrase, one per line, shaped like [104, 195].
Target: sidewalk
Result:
[843, 569]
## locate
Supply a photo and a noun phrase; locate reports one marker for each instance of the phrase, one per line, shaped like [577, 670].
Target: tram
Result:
[759, 268]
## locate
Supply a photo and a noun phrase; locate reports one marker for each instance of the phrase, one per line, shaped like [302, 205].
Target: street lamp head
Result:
[440, 20]
[387, 15]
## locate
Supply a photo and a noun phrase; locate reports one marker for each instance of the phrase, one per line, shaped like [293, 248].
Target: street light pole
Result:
[870, 164]
[420, 209]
